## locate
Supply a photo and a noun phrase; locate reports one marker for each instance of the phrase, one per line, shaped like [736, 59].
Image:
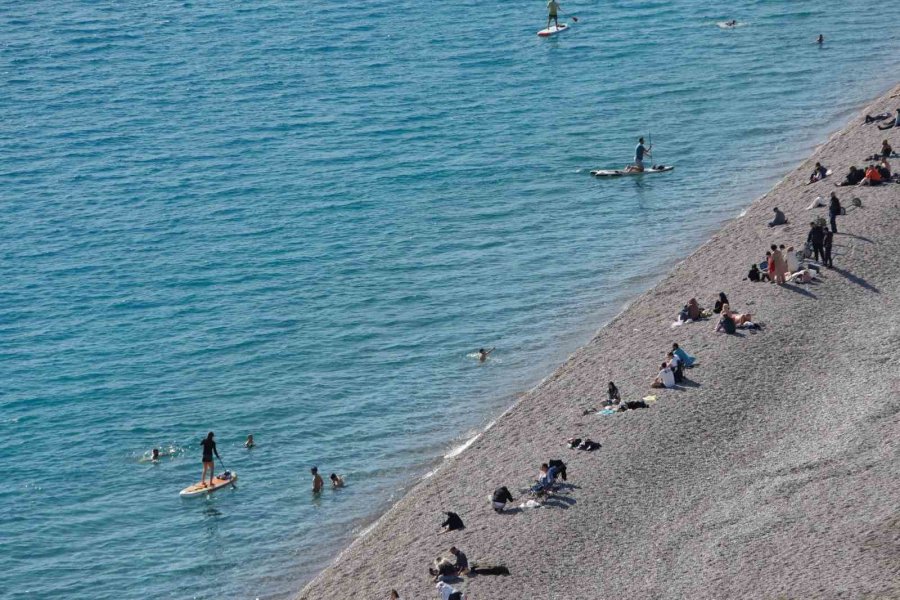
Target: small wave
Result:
[458, 450]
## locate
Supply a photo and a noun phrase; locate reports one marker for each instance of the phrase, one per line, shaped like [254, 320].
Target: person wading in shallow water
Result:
[209, 448]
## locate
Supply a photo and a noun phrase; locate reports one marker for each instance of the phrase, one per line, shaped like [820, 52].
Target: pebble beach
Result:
[771, 472]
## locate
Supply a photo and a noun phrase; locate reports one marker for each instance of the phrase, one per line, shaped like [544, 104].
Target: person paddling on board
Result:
[639, 152]
[552, 10]
[209, 448]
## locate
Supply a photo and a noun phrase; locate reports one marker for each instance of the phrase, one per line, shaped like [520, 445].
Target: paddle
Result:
[574, 18]
[231, 481]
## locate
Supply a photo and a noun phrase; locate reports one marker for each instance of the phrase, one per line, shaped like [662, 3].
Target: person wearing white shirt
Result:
[447, 592]
[665, 378]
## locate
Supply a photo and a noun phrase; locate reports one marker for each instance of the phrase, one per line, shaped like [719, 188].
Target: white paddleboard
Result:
[623, 172]
[198, 489]
[552, 30]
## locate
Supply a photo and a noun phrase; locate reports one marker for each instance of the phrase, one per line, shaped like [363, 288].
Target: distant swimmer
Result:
[336, 480]
[154, 455]
[639, 153]
[820, 39]
[249, 443]
[209, 448]
[318, 484]
[552, 10]
[731, 23]
[483, 354]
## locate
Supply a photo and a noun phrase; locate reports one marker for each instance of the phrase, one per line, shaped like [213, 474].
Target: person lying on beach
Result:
[452, 523]
[336, 481]
[318, 484]
[632, 405]
[801, 276]
[819, 173]
[854, 176]
[894, 123]
[738, 318]
[447, 592]
[612, 394]
[779, 219]
[723, 299]
[686, 359]
[674, 364]
[483, 354]
[583, 444]
[878, 117]
[665, 378]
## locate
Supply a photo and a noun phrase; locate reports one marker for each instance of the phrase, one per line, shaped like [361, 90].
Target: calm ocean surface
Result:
[298, 220]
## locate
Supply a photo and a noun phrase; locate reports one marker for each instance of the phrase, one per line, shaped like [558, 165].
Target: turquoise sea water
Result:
[299, 220]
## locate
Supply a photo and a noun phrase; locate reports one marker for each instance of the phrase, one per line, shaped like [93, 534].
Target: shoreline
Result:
[509, 449]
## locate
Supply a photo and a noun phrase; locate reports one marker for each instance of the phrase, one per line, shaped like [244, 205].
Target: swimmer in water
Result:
[249, 443]
[483, 354]
[336, 480]
[820, 39]
[317, 480]
[730, 23]
[154, 455]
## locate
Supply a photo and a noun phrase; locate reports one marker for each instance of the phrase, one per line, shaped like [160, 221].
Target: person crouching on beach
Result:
[612, 395]
[665, 378]
[499, 499]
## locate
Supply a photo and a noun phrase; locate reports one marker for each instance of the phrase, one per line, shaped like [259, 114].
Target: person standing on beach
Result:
[779, 263]
[552, 13]
[209, 448]
[826, 245]
[816, 238]
[834, 209]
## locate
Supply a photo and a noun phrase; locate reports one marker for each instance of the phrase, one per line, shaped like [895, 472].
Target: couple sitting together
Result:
[671, 372]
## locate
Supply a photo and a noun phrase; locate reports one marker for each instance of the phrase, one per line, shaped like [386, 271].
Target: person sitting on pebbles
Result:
[665, 378]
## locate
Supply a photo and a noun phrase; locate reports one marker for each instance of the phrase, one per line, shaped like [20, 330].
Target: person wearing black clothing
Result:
[754, 274]
[816, 237]
[612, 395]
[829, 238]
[500, 497]
[452, 523]
[834, 209]
[209, 448]
[462, 563]
[723, 299]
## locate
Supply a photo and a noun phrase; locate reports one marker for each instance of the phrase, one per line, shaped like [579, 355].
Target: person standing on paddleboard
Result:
[209, 448]
[552, 10]
[639, 153]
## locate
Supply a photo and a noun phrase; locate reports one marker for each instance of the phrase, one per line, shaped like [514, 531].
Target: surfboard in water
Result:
[552, 30]
[198, 489]
[623, 172]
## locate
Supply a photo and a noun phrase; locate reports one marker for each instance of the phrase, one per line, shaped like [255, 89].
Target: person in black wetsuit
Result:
[816, 238]
[209, 448]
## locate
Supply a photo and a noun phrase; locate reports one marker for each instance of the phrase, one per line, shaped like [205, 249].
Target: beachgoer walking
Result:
[834, 209]
[816, 237]
[209, 448]
[318, 484]
[826, 247]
